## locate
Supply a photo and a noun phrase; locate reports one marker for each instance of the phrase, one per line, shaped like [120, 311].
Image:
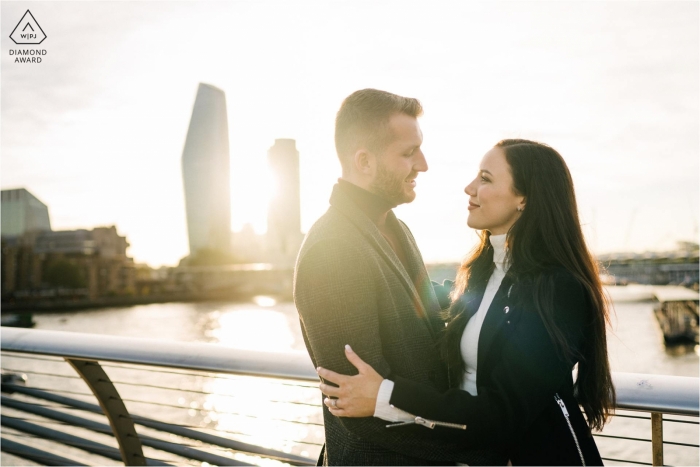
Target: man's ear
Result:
[364, 162]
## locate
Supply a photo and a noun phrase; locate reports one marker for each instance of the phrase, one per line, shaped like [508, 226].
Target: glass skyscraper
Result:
[205, 172]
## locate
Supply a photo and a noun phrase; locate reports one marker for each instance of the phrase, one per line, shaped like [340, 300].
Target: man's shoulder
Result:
[331, 229]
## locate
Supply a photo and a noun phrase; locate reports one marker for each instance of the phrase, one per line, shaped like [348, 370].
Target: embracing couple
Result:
[479, 371]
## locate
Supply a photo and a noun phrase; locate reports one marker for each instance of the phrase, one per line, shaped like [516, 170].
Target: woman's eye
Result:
[484, 179]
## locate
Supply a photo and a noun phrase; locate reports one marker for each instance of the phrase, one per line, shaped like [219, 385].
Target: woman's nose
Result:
[469, 190]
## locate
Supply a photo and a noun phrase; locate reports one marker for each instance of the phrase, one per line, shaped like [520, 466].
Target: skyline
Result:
[96, 130]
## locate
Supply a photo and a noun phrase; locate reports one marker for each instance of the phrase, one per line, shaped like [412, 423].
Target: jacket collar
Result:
[374, 206]
[344, 204]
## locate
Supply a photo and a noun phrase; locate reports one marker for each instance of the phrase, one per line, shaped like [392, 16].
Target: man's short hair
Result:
[363, 118]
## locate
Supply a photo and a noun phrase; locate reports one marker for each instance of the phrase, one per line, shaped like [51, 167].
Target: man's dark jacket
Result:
[351, 288]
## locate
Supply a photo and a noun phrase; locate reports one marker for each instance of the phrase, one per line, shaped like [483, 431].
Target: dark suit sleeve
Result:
[524, 378]
[442, 293]
[336, 292]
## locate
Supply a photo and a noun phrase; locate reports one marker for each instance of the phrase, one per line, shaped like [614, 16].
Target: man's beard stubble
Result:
[390, 187]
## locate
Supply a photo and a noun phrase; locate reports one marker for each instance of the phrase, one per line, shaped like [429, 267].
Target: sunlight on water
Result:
[253, 329]
[264, 412]
[262, 300]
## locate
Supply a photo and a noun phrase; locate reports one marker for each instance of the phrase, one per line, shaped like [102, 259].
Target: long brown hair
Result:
[547, 234]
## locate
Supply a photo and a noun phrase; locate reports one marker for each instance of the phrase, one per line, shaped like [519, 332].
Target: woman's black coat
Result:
[519, 375]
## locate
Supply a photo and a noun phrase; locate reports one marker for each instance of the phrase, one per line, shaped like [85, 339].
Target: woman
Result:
[527, 308]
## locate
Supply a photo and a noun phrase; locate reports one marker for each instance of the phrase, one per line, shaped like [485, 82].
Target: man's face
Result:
[400, 161]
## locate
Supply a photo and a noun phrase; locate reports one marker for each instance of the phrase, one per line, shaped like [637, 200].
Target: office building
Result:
[22, 212]
[284, 213]
[205, 172]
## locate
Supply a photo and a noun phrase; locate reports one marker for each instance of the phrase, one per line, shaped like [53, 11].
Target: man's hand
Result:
[355, 396]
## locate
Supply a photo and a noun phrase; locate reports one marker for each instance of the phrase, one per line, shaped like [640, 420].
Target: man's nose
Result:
[420, 165]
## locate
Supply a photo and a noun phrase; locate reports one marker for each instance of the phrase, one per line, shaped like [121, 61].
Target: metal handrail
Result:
[213, 358]
[677, 395]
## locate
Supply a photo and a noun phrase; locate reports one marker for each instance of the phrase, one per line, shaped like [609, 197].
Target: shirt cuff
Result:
[384, 410]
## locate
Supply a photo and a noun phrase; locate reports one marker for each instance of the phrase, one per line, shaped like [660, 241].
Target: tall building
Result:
[205, 172]
[284, 214]
[22, 212]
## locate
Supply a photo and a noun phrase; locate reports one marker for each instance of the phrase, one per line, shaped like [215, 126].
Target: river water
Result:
[258, 411]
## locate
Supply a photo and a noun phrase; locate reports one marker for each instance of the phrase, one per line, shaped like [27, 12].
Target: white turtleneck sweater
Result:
[469, 344]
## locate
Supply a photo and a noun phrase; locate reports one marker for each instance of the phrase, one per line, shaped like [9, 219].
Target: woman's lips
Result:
[473, 206]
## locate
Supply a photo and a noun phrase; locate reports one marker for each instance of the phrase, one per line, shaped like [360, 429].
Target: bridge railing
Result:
[226, 406]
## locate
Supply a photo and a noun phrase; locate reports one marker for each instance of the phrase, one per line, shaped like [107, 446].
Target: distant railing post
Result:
[657, 438]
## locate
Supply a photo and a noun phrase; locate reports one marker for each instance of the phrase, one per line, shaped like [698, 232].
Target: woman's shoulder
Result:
[565, 291]
[563, 279]
[557, 276]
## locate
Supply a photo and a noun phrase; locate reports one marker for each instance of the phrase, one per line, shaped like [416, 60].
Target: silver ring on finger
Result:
[334, 403]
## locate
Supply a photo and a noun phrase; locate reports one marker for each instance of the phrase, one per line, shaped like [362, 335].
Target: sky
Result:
[96, 131]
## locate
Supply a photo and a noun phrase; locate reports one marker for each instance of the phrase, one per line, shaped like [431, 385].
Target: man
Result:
[360, 280]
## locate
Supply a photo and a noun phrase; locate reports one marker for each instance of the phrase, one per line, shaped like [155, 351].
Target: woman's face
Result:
[493, 204]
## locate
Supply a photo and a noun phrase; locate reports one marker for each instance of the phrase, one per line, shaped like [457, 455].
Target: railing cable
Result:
[195, 391]
[672, 420]
[220, 412]
[213, 431]
[33, 357]
[180, 425]
[33, 454]
[52, 375]
[55, 417]
[600, 435]
[675, 443]
[691, 422]
[60, 391]
[200, 409]
[625, 461]
[68, 439]
[210, 375]
[211, 439]
[113, 453]
[29, 436]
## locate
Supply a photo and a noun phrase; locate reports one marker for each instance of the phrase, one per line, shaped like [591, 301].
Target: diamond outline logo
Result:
[29, 21]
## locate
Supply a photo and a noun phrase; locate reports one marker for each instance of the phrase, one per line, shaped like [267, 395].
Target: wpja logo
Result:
[28, 32]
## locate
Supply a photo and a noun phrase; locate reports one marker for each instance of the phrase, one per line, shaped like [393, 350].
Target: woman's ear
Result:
[521, 204]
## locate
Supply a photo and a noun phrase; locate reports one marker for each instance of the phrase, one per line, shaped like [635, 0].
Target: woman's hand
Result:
[355, 396]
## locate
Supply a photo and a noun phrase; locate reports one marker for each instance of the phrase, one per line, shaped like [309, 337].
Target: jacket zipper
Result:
[571, 428]
[428, 424]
